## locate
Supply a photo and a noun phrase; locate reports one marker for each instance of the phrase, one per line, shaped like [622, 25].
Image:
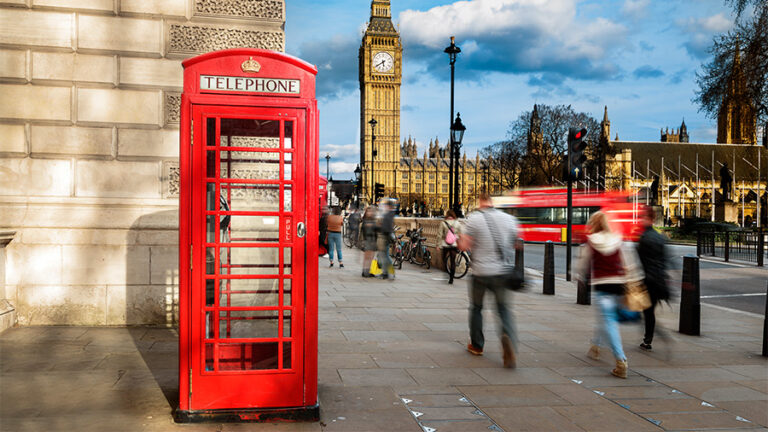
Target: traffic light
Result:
[378, 191]
[576, 146]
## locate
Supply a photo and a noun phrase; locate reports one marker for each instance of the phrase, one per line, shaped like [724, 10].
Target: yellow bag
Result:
[636, 296]
[375, 270]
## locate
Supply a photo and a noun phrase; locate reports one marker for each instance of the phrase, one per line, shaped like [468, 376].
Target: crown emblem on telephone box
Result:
[250, 65]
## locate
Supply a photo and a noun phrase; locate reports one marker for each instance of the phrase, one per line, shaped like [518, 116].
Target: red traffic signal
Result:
[576, 146]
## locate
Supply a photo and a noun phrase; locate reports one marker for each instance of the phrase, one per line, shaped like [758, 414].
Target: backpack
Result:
[450, 237]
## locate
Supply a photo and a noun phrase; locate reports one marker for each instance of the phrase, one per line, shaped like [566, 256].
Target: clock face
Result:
[383, 62]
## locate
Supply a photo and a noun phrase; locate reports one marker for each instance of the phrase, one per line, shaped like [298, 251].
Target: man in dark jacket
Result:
[651, 249]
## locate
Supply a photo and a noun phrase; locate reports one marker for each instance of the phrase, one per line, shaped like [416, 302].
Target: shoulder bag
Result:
[450, 236]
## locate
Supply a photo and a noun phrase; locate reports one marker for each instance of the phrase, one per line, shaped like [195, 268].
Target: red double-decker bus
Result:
[542, 212]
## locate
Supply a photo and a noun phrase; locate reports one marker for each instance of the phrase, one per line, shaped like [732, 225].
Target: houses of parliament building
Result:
[416, 180]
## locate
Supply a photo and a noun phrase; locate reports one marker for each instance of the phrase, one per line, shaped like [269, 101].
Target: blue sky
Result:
[638, 57]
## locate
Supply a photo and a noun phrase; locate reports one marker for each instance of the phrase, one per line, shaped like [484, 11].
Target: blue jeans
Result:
[334, 242]
[481, 284]
[607, 330]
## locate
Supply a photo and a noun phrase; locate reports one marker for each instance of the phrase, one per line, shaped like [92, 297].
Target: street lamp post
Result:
[457, 134]
[358, 176]
[327, 165]
[373, 122]
[452, 50]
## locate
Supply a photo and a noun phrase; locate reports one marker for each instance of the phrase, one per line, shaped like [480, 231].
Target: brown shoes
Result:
[594, 352]
[621, 369]
[509, 353]
[474, 350]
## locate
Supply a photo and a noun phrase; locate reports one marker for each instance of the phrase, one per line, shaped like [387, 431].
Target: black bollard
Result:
[690, 306]
[549, 268]
[584, 292]
[520, 254]
[765, 326]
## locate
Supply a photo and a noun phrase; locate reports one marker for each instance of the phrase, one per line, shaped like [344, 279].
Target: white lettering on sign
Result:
[250, 84]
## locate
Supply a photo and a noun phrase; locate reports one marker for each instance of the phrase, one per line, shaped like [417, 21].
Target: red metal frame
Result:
[617, 205]
[209, 382]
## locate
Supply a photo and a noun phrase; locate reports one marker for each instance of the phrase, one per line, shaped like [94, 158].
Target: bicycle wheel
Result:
[398, 260]
[427, 258]
[348, 240]
[417, 255]
[462, 266]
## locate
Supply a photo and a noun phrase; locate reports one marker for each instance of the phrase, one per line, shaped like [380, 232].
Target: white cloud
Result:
[635, 8]
[701, 31]
[339, 150]
[342, 167]
[516, 36]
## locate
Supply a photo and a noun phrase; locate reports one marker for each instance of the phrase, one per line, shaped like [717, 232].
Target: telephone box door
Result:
[247, 281]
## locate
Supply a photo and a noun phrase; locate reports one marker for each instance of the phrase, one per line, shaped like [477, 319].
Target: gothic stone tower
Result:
[380, 72]
[736, 119]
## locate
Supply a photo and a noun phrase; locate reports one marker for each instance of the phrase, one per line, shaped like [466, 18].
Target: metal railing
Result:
[747, 246]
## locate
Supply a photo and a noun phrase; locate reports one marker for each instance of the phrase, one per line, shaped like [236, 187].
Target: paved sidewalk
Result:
[392, 358]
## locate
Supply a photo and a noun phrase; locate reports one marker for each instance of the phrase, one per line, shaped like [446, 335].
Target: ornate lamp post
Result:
[452, 50]
[327, 165]
[457, 134]
[358, 176]
[373, 122]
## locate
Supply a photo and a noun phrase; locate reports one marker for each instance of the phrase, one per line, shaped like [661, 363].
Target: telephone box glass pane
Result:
[286, 323]
[248, 356]
[251, 197]
[287, 260]
[254, 229]
[250, 292]
[210, 136]
[254, 261]
[288, 131]
[287, 198]
[250, 165]
[253, 133]
[238, 324]
[286, 355]
[287, 292]
[210, 160]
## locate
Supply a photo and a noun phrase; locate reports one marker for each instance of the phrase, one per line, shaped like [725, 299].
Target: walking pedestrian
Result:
[369, 239]
[353, 224]
[335, 221]
[652, 253]
[610, 266]
[448, 235]
[323, 231]
[386, 232]
[488, 232]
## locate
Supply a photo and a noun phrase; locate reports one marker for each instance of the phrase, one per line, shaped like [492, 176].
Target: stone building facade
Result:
[89, 147]
[690, 176]
[424, 180]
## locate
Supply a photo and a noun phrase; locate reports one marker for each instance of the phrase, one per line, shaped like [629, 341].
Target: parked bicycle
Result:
[418, 253]
[396, 249]
[351, 233]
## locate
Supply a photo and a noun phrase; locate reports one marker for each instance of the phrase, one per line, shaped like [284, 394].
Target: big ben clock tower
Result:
[380, 76]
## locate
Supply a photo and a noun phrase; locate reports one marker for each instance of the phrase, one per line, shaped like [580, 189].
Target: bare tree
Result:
[748, 42]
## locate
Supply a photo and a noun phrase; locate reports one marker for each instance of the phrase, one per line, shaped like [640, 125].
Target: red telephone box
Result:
[248, 295]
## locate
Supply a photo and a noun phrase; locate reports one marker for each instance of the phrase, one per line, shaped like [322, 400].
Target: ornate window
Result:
[431, 176]
[445, 188]
[404, 188]
[431, 188]
[418, 187]
[405, 175]
[445, 176]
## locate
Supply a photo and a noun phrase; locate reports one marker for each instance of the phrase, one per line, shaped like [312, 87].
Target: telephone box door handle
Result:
[301, 230]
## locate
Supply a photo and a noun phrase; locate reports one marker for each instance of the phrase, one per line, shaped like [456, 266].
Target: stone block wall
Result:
[89, 127]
